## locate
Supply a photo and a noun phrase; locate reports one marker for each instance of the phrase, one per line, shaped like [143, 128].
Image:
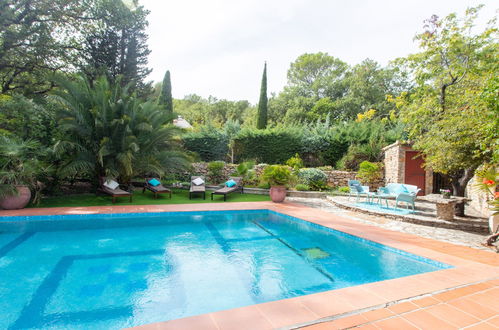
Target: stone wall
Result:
[334, 178]
[395, 162]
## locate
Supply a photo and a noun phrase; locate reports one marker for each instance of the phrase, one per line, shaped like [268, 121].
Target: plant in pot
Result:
[19, 168]
[278, 176]
[488, 182]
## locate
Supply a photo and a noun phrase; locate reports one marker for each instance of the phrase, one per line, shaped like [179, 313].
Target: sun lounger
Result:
[111, 187]
[227, 190]
[197, 188]
[156, 189]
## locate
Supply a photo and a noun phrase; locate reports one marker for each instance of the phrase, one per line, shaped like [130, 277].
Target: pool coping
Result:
[469, 266]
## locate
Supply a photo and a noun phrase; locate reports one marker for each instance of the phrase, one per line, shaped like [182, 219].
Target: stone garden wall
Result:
[334, 178]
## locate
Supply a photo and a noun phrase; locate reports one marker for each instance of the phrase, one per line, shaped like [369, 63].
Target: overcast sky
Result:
[218, 47]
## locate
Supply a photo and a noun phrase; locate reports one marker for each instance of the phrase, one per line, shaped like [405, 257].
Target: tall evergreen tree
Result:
[165, 98]
[117, 45]
[263, 103]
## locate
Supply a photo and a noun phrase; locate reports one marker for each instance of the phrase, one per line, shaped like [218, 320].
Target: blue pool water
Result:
[121, 270]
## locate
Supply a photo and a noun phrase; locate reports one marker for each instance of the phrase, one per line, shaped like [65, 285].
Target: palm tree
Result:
[109, 132]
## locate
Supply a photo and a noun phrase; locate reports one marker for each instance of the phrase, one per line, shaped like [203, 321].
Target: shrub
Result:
[302, 187]
[277, 175]
[215, 171]
[247, 172]
[315, 178]
[264, 185]
[295, 162]
[344, 189]
[370, 172]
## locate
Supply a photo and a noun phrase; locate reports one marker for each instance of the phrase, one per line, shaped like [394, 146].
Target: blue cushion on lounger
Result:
[154, 182]
[231, 183]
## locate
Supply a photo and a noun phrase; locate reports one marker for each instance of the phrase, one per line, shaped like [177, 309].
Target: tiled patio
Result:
[460, 297]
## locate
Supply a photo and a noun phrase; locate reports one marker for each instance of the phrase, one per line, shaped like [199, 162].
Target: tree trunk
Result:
[459, 182]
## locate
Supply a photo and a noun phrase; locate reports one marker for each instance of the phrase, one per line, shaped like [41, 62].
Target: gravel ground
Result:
[447, 235]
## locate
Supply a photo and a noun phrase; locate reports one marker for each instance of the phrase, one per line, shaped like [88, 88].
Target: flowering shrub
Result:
[445, 192]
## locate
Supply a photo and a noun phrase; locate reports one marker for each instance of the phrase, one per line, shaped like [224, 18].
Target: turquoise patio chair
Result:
[358, 190]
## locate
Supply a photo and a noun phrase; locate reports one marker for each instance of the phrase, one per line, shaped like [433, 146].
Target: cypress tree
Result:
[165, 98]
[262, 104]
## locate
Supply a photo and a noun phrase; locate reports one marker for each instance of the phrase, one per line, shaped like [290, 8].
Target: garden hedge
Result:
[208, 145]
[271, 146]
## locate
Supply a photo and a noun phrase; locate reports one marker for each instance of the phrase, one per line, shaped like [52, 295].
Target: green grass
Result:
[178, 197]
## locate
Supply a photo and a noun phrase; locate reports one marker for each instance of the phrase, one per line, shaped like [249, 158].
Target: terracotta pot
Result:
[277, 194]
[17, 201]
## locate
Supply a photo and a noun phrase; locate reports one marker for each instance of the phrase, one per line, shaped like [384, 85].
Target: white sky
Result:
[218, 47]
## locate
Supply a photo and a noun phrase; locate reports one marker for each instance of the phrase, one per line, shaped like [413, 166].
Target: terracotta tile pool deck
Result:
[466, 296]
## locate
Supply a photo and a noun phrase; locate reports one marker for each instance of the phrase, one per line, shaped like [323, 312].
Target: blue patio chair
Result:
[358, 190]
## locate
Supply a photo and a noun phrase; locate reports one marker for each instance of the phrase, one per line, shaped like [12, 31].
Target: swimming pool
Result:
[111, 271]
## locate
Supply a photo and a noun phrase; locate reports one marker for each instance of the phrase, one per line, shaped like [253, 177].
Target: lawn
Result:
[178, 197]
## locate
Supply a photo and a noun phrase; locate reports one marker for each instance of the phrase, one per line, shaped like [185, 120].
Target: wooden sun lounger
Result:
[197, 189]
[227, 190]
[116, 193]
[160, 189]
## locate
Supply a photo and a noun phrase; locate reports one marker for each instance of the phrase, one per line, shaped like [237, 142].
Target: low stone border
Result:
[457, 224]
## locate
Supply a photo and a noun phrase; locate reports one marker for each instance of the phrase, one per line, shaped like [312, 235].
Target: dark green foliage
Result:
[117, 45]
[25, 119]
[215, 171]
[37, 37]
[107, 131]
[271, 146]
[314, 178]
[165, 98]
[209, 144]
[263, 103]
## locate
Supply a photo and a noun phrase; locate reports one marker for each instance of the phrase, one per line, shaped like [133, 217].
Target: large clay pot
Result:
[17, 201]
[277, 194]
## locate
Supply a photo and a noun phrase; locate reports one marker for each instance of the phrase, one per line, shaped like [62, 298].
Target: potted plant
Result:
[18, 170]
[445, 193]
[488, 178]
[278, 176]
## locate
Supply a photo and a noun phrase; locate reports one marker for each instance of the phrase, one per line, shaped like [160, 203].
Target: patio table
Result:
[381, 197]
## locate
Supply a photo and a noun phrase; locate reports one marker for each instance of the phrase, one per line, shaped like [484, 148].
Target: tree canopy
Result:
[451, 114]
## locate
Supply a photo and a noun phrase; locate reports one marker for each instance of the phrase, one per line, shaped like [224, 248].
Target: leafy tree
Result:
[165, 98]
[317, 75]
[37, 38]
[448, 115]
[22, 117]
[367, 85]
[263, 103]
[117, 44]
[109, 132]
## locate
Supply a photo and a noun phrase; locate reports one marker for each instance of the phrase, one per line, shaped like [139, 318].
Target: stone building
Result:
[405, 165]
